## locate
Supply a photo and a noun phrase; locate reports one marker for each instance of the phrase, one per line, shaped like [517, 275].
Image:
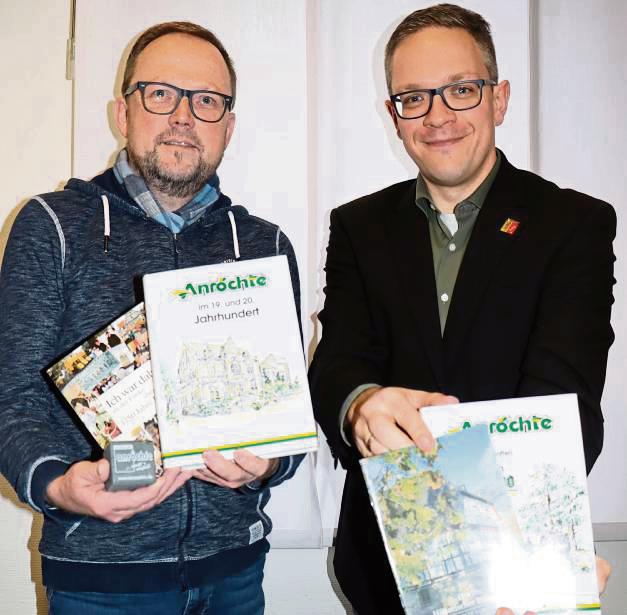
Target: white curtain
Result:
[312, 132]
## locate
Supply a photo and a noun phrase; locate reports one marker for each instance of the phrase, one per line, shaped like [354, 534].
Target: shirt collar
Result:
[477, 198]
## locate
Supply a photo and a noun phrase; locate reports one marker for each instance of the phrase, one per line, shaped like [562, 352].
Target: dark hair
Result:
[175, 27]
[79, 400]
[444, 16]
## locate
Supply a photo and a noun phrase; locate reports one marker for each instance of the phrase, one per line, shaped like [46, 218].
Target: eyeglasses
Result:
[457, 96]
[164, 98]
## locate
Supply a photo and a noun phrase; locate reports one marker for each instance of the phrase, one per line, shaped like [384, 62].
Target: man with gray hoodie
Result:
[192, 540]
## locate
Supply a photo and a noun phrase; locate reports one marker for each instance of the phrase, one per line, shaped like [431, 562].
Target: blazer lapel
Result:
[501, 219]
[408, 235]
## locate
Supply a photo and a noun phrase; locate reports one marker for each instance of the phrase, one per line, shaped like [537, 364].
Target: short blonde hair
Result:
[175, 27]
[444, 16]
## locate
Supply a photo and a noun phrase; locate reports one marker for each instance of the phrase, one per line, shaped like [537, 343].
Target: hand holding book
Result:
[242, 469]
[383, 419]
[498, 515]
[604, 570]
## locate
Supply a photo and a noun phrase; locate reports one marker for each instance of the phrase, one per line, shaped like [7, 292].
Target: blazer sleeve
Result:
[572, 334]
[349, 353]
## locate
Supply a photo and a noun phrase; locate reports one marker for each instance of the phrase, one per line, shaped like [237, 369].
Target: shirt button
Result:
[452, 247]
[444, 297]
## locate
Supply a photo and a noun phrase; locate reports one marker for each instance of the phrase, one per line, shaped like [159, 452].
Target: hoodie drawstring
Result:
[234, 230]
[107, 228]
[107, 224]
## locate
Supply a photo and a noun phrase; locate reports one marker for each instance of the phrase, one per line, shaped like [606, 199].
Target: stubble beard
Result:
[181, 184]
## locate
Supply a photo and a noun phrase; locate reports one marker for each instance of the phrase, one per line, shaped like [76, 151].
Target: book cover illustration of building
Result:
[539, 449]
[107, 381]
[444, 518]
[229, 367]
[226, 378]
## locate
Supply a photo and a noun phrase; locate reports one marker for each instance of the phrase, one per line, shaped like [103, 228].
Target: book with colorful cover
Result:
[447, 523]
[539, 449]
[229, 369]
[107, 381]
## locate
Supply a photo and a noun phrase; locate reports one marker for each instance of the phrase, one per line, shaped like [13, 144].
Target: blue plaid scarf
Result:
[139, 192]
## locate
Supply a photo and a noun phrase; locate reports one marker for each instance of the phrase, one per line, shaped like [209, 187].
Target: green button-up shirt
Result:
[450, 233]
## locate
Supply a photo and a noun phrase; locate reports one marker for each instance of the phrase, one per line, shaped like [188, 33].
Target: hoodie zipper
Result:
[182, 568]
[189, 498]
[175, 243]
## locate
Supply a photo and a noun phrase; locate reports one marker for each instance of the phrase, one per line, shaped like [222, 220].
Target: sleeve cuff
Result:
[352, 396]
[44, 474]
[287, 466]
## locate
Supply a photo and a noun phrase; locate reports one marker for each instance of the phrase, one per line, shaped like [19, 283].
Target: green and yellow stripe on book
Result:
[235, 446]
[583, 607]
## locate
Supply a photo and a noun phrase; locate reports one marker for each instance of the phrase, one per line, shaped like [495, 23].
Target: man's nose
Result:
[182, 115]
[439, 114]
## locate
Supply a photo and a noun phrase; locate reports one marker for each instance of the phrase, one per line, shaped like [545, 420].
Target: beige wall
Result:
[35, 156]
[37, 101]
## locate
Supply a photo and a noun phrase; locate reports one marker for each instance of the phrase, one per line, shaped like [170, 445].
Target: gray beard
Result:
[177, 186]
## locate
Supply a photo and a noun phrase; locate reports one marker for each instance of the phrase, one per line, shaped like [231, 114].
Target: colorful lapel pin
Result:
[510, 226]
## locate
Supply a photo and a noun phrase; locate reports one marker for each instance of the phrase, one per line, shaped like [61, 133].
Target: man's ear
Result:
[390, 107]
[121, 118]
[500, 101]
[230, 126]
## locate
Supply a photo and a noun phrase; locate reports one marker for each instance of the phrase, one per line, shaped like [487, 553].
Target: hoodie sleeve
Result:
[286, 469]
[31, 295]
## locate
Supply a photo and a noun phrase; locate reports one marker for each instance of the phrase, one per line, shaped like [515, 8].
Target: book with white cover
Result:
[539, 447]
[228, 363]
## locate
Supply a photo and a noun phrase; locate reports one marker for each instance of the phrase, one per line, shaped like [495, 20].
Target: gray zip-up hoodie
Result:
[58, 285]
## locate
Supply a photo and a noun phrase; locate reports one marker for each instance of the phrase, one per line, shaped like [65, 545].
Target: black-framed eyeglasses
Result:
[457, 96]
[164, 99]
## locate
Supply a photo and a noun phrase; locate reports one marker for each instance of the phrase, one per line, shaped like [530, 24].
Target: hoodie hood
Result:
[111, 193]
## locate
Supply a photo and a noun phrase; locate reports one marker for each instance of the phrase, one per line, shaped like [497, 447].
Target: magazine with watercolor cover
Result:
[229, 369]
[107, 381]
[447, 523]
[539, 449]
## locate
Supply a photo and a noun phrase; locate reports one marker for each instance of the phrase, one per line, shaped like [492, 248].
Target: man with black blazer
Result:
[477, 280]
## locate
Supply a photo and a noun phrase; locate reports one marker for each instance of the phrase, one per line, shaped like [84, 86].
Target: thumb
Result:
[102, 470]
[420, 399]
[440, 399]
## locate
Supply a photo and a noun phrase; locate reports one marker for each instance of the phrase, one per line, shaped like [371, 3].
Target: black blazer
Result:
[529, 315]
